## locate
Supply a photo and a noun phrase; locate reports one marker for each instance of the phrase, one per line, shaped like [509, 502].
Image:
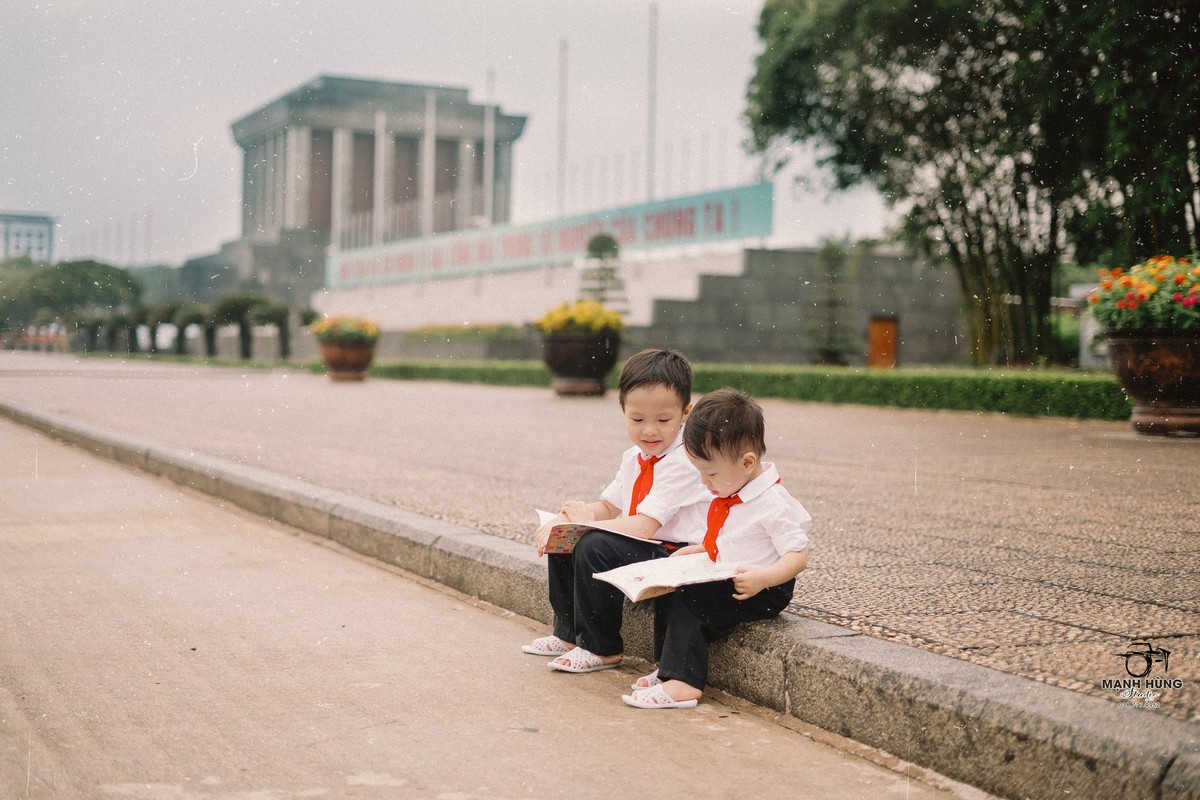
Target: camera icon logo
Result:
[1138, 663]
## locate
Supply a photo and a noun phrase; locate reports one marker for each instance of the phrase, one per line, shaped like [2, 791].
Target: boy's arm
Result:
[749, 581]
[579, 511]
[638, 525]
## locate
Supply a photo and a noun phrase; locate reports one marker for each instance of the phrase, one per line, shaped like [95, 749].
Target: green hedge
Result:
[1032, 392]
[498, 373]
[1035, 393]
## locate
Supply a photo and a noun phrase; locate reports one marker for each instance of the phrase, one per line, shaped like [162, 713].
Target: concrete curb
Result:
[1007, 735]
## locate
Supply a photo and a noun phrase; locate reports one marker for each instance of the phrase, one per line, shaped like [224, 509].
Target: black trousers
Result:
[587, 611]
[688, 619]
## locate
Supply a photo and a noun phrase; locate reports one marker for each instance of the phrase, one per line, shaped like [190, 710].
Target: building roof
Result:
[26, 216]
[329, 101]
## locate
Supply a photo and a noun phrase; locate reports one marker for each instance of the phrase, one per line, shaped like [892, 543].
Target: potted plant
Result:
[579, 345]
[1151, 316]
[347, 345]
[601, 278]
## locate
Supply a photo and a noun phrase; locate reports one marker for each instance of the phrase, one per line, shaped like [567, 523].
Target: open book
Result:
[565, 535]
[645, 579]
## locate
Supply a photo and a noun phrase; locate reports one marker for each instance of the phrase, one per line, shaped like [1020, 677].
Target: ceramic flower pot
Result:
[347, 362]
[1160, 372]
[579, 362]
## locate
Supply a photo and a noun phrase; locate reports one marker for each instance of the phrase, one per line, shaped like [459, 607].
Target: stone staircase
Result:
[770, 313]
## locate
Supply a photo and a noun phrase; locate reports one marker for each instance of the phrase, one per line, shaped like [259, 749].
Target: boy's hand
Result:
[578, 511]
[748, 581]
[543, 534]
[691, 548]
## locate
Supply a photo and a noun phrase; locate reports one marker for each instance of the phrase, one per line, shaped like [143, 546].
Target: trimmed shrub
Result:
[1031, 393]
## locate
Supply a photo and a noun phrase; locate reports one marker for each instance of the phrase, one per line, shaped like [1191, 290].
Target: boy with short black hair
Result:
[654, 481]
[751, 522]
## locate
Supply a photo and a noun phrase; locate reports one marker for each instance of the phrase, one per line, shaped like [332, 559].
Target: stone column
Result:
[266, 222]
[489, 158]
[381, 207]
[279, 171]
[502, 211]
[247, 192]
[428, 162]
[297, 163]
[343, 142]
[464, 202]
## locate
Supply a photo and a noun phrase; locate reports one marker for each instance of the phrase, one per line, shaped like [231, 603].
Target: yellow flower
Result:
[583, 316]
[345, 330]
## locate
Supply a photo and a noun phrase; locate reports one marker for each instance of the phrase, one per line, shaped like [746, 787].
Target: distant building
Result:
[344, 162]
[27, 235]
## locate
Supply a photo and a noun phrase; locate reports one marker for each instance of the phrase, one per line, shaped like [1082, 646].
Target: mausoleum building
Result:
[347, 162]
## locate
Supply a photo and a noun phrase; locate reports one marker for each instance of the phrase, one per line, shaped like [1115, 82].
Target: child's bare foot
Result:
[646, 681]
[580, 660]
[680, 691]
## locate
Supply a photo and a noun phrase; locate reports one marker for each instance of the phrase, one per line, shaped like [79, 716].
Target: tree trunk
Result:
[245, 339]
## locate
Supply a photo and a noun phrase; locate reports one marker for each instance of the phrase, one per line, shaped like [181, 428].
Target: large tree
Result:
[36, 293]
[1146, 191]
[984, 121]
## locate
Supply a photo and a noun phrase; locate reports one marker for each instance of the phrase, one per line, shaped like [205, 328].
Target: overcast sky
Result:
[116, 113]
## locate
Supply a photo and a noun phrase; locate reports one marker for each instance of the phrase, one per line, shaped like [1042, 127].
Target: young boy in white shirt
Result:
[654, 481]
[751, 522]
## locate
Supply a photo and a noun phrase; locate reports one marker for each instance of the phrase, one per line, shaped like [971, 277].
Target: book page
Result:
[646, 579]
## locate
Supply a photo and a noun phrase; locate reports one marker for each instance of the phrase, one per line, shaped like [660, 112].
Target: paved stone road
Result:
[158, 645]
[1040, 547]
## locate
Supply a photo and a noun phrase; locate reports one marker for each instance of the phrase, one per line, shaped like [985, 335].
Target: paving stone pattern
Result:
[1040, 547]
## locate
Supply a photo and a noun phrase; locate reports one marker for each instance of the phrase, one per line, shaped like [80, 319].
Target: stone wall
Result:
[764, 314]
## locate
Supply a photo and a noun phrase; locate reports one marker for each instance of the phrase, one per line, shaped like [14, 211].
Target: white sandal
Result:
[580, 660]
[546, 646]
[650, 681]
[656, 697]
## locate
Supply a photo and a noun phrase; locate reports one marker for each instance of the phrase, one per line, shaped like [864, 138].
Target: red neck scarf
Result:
[718, 512]
[644, 482]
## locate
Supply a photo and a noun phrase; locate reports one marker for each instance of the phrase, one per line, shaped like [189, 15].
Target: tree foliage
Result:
[240, 310]
[1147, 79]
[999, 128]
[34, 293]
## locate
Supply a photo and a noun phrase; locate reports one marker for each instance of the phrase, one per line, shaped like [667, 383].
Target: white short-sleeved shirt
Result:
[676, 485]
[766, 524]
